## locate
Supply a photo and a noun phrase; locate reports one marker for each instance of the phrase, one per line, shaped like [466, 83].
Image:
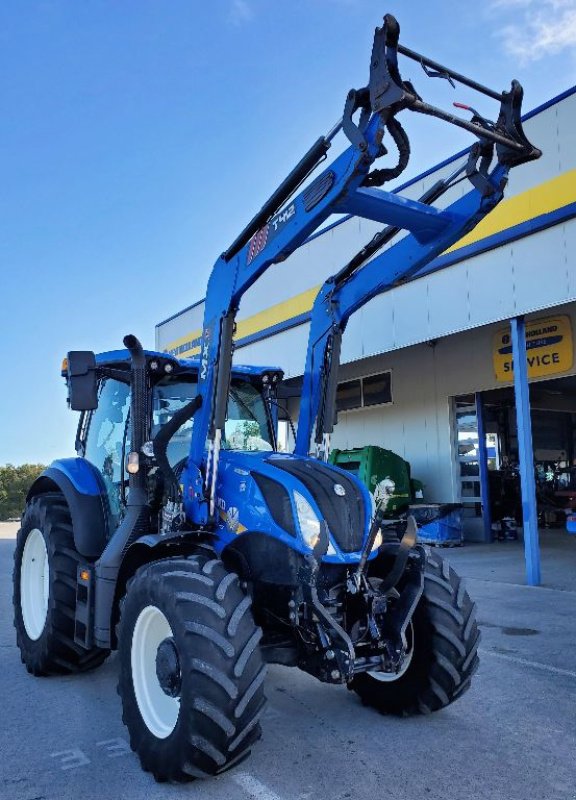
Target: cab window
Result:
[247, 424]
[169, 397]
[105, 438]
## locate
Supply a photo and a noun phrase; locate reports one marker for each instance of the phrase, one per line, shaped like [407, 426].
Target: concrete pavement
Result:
[512, 736]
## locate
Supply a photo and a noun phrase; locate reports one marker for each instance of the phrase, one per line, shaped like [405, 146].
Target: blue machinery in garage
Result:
[209, 565]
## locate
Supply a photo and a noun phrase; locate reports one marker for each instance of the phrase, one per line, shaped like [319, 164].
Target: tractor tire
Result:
[44, 580]
[191, 671]
[444, 640]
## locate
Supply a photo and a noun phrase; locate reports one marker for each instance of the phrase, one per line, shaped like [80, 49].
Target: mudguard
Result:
[255, 556]
[84, 492]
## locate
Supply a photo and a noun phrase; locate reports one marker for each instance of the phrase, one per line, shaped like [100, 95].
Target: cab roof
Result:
[115, 358]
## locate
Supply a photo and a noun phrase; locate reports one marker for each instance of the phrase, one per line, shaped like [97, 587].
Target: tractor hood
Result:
[288, 497]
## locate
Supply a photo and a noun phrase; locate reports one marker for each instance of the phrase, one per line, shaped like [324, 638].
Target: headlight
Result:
[307, 520]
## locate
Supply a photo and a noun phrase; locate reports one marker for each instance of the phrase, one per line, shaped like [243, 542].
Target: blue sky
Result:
[138, 137]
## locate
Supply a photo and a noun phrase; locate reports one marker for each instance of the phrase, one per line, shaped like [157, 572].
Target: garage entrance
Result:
[487, 451]
[553, 416]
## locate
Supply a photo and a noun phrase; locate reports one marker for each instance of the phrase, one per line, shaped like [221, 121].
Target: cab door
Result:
[105, 441]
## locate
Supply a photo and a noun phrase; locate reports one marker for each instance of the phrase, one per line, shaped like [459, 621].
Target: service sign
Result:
[549, 349]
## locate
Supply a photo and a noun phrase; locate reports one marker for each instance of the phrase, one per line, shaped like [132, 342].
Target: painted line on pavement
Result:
[253, 787]
[489, 581]
[527, 663]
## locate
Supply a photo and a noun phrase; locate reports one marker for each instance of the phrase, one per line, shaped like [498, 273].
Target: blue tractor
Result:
[181, 537]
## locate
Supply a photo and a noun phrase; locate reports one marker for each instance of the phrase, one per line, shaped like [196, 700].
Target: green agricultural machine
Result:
[386, 474]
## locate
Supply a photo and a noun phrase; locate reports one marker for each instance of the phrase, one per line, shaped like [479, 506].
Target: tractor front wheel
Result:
[442, 644]
[44, 579]
[191, 671]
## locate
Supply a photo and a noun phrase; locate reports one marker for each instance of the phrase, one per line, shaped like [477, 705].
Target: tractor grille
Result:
[344, 515]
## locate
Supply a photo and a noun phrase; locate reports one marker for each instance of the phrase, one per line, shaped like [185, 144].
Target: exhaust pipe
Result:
[136, 520]
[138, 412]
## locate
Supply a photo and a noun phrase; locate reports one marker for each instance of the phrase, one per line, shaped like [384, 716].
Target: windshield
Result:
[247, 426]
[169, 396]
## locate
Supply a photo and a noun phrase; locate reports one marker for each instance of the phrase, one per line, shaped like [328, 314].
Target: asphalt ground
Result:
[513, 735]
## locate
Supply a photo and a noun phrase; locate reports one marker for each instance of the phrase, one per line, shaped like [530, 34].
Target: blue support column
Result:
[525, 452]
[483, 464]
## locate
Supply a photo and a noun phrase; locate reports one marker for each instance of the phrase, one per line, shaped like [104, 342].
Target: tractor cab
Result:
[100, 387]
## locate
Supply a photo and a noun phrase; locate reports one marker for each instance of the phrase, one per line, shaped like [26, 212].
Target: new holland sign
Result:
[549, 349]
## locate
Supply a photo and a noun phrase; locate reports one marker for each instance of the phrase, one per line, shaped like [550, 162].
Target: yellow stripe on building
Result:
[280, 312]
[541, 199]
[188, 337]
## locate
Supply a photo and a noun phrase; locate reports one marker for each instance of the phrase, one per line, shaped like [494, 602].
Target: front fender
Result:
[147, 548]
[81, 484]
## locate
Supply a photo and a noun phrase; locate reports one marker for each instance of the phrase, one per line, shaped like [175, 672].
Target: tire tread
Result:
[55, 652]
[220, 706]
[446, 650]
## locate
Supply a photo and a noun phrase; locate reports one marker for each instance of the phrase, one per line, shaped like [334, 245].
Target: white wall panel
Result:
[539, 264]
[491, 284]
[565, 113]
[286, 350]
[447, 301]
[566, 255]
[410, 316]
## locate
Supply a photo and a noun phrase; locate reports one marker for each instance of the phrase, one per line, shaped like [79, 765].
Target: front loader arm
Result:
[276, 231]
[359, 282]
[286, 221]
[237, 269]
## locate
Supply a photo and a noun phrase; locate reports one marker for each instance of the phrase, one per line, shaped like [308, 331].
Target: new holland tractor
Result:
[182, 538]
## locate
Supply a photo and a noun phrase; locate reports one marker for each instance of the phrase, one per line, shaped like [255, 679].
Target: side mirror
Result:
[82, 382]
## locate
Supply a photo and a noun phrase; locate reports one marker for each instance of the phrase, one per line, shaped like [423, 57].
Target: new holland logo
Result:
[232, 520]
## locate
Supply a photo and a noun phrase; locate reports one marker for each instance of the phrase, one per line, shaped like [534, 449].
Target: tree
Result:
[14, 485]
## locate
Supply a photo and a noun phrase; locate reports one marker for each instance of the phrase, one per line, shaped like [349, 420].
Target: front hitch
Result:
[333, 661]
[387, 609]
[394, 623]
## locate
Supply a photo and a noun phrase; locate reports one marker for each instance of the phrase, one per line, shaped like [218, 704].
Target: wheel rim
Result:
[158, 710]
[34, 584]
[390, 677]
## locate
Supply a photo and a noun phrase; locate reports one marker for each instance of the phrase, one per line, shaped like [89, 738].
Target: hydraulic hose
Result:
[166, 432]
[380, 176]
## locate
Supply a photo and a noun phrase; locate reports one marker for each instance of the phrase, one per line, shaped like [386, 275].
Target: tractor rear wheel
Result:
[441, 654]
[44, 579]
[191, 671]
